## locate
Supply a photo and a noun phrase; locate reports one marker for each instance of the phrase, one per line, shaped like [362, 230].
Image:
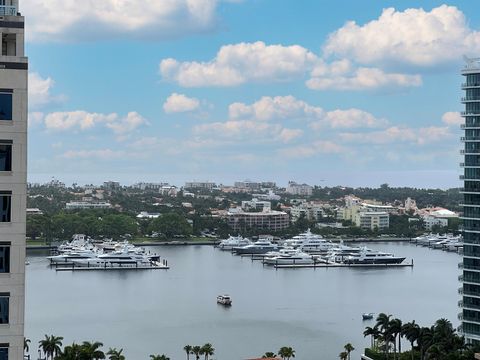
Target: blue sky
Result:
[324, 92]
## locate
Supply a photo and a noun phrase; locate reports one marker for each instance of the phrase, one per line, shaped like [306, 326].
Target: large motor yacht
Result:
[296, 257]
[367, 256]
[233, 242]
[258, 247]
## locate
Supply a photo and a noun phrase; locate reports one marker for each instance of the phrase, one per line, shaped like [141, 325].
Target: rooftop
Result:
[472, 65]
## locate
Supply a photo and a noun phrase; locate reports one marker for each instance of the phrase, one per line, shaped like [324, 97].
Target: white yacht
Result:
[117, 258]
[290, 258]
[258, 247]
[367, 256]
[232, 242]
[69, 256]
[309, 242]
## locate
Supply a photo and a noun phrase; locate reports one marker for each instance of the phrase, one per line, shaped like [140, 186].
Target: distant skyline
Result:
[322, 92]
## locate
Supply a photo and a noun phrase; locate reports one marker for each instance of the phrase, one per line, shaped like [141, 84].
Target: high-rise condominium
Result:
[470, 290]
[13, 177]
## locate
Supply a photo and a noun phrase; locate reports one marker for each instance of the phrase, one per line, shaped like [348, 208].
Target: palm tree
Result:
[411, 331]
[286, 353]
[71, 352]
[188, 350]
[196, 350]
[26, 345]
[159, 357]
[268, 355]
[208, 350]
[395, 328]
[51, 345]
[114, 354]
[349, 348]
[374, 333]
[383, 324]
[91, 351]
[425, 340]
[343, 355]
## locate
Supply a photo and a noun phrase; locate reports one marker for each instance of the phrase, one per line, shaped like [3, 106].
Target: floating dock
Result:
[72, 267]
[338, 265]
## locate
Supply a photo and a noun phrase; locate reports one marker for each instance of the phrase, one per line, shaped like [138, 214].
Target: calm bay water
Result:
[314, 311]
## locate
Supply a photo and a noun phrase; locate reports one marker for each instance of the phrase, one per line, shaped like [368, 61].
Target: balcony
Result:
[462, 177]
[460, 290]
[460, 303]
[460, 265]
[470, 99]
[460, 316]
[8, 10]
[466, 85]
[462, 164]
[465, 113]
[460, 277]
[470, 138]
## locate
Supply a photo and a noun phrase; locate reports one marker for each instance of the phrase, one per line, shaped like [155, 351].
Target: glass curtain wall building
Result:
[470, 290]
[13, 178]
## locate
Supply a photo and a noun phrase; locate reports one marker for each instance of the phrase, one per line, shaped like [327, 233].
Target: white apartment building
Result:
[168, 190]
[256, 205]
[200, 185]
[299, 189]
[13, 182]
[268, 220]
[111, 185]
[372, 220]
[81, 205]
[311, 212]
[430, 221]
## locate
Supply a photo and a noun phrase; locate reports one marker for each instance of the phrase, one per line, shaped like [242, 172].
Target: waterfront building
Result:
[13, 182]
[373, 220]
[79, 205]
[149, 186]
[470, 290]
[299, 189]
[240, 220]
[310, 211]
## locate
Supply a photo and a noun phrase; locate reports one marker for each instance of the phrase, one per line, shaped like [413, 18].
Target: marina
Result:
[314, 311]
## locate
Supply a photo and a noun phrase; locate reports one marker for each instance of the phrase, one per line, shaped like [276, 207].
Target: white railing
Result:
[8, 10]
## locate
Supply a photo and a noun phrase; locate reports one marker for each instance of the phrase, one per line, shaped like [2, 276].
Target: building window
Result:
[4, 258]
[5, 155]
[6, 105]
[5, 206]
[4, 351]
[4, 308]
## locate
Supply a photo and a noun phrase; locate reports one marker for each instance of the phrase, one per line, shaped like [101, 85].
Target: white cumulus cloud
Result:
[240, 63]
[288, 107]
[247, 130]
[176, 103]
[413, 37]
[74, 20]
[39, 90]
[400, 134]
[452, 118]
[102, 154]
[82, 120]
[362, 79]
